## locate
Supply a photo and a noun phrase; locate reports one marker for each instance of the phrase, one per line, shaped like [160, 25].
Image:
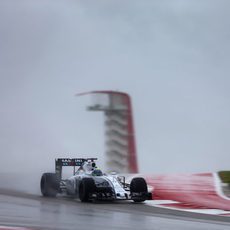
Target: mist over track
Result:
[36, 212]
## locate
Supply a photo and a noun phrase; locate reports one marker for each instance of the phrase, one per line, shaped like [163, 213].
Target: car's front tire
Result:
[86, 188]
[138, 189]
[49, 184]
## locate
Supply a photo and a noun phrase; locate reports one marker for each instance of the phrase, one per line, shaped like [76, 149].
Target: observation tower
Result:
[119, 129]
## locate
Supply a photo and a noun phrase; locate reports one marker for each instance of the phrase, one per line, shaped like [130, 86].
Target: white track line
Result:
[218, 187]
[163, 203]
[160, 202]
[209, 211]
[12, 228]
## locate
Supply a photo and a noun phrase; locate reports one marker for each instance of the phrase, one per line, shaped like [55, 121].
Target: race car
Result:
[89, 183]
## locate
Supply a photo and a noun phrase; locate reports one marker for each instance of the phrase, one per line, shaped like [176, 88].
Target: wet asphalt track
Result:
[36, 212]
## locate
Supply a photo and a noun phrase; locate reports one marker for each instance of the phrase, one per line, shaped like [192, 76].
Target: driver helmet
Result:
[97, 172]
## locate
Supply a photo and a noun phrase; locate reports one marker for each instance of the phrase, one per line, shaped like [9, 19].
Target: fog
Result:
[172, 57]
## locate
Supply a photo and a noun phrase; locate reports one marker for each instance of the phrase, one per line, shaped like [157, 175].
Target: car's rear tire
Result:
[138, 185]
[49, 184]
[86, 188]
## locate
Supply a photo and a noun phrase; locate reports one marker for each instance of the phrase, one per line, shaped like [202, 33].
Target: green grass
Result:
[224, 176]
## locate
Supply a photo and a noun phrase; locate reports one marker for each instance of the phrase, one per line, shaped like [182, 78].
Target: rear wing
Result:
[74, 162]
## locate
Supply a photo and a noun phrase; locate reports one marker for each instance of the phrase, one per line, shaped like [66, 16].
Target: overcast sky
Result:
[171, 56]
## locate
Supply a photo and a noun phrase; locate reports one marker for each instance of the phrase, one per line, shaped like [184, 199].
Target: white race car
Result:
[89, 183]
